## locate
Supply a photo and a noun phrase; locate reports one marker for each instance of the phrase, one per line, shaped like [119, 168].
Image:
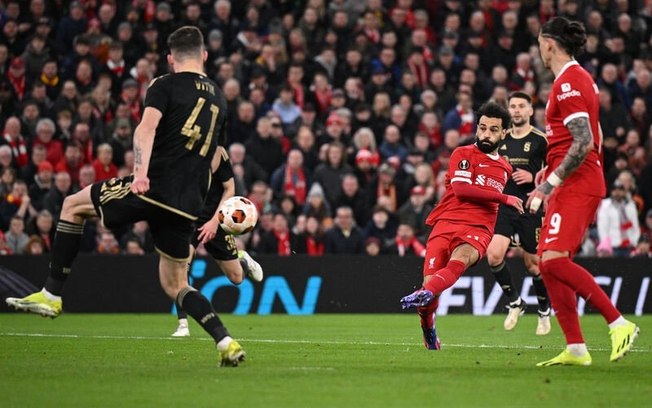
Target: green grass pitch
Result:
[312, 361]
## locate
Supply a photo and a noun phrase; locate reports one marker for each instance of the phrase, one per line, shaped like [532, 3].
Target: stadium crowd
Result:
[342, 114]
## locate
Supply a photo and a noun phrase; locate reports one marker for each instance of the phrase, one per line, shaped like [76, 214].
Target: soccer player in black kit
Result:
[525, 149]
[174, 145]
[222, 246]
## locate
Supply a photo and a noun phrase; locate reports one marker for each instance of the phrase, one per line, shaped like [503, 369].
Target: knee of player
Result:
[495, 258]
[236, 280]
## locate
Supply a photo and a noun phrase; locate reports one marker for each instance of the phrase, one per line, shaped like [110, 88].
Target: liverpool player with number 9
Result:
[571, 192]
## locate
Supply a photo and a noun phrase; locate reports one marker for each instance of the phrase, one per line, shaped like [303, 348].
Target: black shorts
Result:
[118, 206]
[523, 230]
[221, 248]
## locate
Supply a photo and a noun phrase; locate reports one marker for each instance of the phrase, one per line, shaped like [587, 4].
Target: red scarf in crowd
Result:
[389, 191]
[433, 134]
[295, 185]
[283, 243]
[18, 149]
[323, 99]
[420, 72]
[417, 247]
[116, 68]
[466, 125]
[314, 247]
[18, 83]
[299, 95]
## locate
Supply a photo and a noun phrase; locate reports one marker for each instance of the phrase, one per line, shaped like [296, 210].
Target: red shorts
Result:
[568, 216]
[446, 236]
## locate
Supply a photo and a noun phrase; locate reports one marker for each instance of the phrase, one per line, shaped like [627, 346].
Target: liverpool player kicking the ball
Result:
[463, 222]
[572, 190]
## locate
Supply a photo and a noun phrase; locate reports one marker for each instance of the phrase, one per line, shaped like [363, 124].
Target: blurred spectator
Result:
[16, 203]
[15, 236]
[278, 133]
[384, 185]
[354, 197]
[280, 240]
[15, 141]
[372, 246]
[392, 145]
[39, 154]
[305, 142]
[635, 152]
[141, 234]
[344, 237]
[292, 178]
[243, 127]
[132, 247]
[121, 141]
[5, 157]
[311, 241]
[107, 244]
[330, 173]
[613, 118]
[317, 206]
[263, 149]
[245, 168]
[53, 200]
[35, 246]
[42, 226]
[382, 226]
[45, 137]
[405, 243]
[618, 227]
[86, 176]
[627, 180]
[7, 180]
[103, 164]
[462, 117]
[72, 161]
[70, 26]
[288, 207]
[415, 211]
[42, 183]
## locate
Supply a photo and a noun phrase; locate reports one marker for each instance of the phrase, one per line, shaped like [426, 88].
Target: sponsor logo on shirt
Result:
[568, 94]
[495, 184]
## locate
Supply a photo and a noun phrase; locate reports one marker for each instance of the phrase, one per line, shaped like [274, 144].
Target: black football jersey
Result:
[221, 175]
[527, 153]
[194, 112]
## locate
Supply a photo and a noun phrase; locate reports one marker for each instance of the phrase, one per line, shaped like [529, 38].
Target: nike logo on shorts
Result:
[549, 240]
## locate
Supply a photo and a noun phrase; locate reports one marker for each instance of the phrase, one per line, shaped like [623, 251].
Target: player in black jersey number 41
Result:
[174, 145]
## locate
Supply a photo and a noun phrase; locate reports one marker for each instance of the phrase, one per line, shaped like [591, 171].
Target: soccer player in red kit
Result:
[571, 192]
[463, 222]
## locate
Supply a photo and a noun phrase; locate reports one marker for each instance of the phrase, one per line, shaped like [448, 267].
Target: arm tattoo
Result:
[138, 155]
[579, 149]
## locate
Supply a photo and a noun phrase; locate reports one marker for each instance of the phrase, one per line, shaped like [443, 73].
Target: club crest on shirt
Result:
[464, 164]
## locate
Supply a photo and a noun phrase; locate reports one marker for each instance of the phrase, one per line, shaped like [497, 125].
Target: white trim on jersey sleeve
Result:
[575, 116]
[462, 179]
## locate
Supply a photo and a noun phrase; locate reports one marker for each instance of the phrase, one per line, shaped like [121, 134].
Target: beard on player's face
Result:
[486, 145]
[520, 121]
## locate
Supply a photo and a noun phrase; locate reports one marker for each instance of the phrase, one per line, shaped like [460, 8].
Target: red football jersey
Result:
[574, 95]
[468, 164]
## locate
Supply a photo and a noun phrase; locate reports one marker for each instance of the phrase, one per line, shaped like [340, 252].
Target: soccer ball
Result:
[238, 215]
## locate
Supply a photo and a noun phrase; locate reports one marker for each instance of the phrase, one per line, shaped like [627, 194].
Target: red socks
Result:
[564, 280]
[439, 282]
[445, 277]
